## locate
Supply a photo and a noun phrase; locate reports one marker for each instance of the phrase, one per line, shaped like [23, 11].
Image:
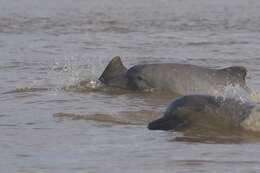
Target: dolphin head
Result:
[169, 121]
[138, 78]
[172, 118]
[114, 74]
[183, 111]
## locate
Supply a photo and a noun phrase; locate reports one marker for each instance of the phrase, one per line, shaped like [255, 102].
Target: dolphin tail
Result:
[114, 73]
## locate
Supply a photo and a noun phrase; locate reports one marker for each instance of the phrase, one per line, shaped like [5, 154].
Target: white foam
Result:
[255, 96]
[73, 71]
[252, 123]
[234, 92]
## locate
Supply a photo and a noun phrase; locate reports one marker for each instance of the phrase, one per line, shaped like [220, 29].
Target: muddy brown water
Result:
[49, 123]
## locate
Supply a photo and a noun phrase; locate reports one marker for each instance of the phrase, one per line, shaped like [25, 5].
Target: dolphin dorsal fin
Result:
[114, 69]
[238, 71]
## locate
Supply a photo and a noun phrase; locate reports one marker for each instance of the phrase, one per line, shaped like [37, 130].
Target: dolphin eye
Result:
[139, 78]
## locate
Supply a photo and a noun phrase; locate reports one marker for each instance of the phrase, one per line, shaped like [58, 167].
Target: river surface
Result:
[52, 123]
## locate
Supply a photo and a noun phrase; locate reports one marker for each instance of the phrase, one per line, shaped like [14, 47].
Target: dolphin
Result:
[205, 111]
[114, 74]
[179, 79]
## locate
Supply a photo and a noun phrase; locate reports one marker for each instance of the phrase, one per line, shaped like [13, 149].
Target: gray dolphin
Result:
[180, 79]
[204, 110]
[114, 74]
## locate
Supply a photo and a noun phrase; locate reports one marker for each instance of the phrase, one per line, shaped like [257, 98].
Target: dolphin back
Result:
[237, 74]
[114, 73]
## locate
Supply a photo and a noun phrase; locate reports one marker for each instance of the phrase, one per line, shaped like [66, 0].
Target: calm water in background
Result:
[55, 44]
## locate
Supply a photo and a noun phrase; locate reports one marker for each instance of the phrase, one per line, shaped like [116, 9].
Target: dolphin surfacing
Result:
[180, 79]
[184, 79]
[204, 110]
[114, 74]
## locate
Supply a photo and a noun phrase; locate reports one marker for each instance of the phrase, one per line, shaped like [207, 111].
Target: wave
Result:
[142, 117]
[26, 89]
[217, 137]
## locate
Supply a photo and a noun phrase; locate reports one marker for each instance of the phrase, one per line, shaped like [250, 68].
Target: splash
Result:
[85, 86]
[249, 96]
[238, 93]
[73, 74]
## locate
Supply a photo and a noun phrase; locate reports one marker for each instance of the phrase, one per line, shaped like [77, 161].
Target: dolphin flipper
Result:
[114, 74]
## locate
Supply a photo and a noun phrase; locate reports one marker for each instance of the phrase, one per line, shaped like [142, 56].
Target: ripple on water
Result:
[9, 125]
[23, 155]
[26, 89]
[200, 162]
[123, 117]
[4, 115]
[217, 136]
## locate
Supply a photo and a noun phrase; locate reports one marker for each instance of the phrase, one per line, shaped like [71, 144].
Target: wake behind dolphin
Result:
[180, 79]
